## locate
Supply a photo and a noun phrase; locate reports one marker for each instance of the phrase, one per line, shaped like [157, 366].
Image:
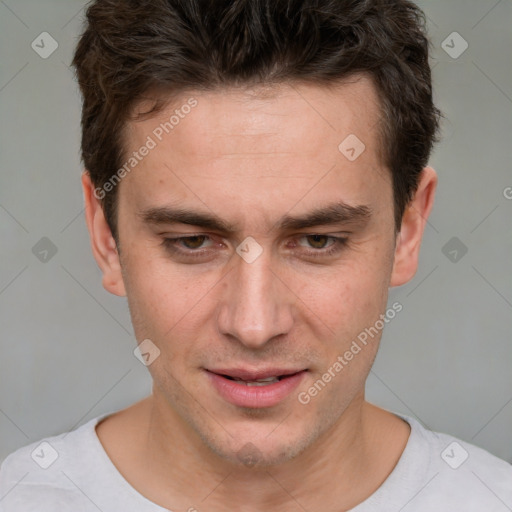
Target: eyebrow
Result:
[335, 213]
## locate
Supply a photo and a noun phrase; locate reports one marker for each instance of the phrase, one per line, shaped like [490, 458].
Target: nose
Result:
[256, 305]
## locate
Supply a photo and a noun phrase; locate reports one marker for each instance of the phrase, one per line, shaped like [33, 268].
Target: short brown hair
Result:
[131, 47]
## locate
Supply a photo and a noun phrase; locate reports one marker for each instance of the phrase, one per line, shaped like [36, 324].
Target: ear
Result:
[103, 244]
[411, 232]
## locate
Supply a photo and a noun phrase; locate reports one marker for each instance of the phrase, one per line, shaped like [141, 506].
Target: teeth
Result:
[259, 382]
[263, 382]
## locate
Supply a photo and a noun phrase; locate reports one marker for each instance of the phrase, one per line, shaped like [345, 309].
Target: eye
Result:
[192, 242]
[186, 245]
[193, 246]
[319, 241]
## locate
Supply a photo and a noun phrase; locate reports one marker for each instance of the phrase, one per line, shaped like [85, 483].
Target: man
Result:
[256, 179]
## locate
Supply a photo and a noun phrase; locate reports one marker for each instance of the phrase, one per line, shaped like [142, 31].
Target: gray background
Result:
[67, 345]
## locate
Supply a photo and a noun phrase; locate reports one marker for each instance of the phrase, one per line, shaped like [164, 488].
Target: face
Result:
[253, 252]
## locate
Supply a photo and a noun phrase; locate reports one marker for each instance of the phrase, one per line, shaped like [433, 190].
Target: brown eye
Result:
[188, 246]
[193, 242]
[318, 241]
[318, 246]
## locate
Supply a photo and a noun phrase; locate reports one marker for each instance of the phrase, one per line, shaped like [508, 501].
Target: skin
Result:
[250, 157]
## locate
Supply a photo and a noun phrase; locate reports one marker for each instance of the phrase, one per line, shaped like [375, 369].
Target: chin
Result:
[263, 449]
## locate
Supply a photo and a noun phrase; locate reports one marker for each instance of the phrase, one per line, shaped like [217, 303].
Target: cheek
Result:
[350, 305]
[151, 294]
[170, 300]
[348, 298]
[168, 304]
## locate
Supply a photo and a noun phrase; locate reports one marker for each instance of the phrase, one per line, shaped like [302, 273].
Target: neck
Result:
[343, 467]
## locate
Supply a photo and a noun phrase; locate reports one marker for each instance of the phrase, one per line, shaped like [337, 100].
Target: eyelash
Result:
[339, 243]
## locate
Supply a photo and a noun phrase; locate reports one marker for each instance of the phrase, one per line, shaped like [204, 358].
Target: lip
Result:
[242, 395]
[249, 375]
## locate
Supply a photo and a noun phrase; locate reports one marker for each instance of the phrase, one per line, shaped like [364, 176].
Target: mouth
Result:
[255, 389]
[258, 382]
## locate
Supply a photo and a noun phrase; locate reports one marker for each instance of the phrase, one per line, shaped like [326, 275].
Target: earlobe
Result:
[103, 245]
[411, 232]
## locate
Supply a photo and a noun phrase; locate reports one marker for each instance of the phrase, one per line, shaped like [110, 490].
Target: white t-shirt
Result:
[72, 472]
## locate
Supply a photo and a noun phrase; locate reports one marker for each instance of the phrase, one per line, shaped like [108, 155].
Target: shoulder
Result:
[461, 472]
[39, 476]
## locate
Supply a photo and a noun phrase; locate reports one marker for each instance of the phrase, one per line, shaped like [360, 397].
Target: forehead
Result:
[263, 119]
[258, 147]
